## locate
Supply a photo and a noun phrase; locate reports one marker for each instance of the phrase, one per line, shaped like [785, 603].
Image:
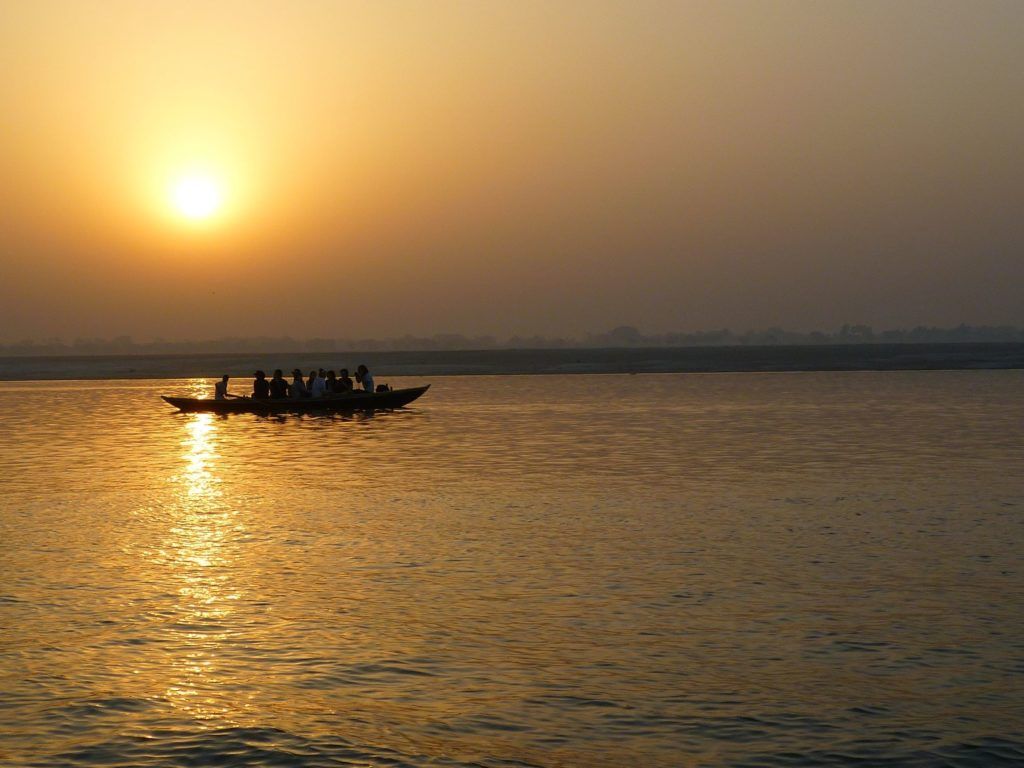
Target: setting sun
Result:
[197, 197]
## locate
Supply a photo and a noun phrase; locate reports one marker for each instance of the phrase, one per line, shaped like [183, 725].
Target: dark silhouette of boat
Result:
[353, 401]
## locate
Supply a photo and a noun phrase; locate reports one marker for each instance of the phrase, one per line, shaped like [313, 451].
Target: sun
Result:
[197, 197]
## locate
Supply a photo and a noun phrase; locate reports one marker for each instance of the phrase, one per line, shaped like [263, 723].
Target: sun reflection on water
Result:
[199, 388]
[200, 552]
[200, 456]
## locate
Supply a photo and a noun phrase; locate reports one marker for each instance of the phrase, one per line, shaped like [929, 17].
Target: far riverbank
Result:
[846, 357]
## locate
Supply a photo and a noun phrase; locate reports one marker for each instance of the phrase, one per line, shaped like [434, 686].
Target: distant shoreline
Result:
[731, 359]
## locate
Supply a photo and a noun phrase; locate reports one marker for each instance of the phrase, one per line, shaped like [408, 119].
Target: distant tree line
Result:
[622, 336]
[627, 336]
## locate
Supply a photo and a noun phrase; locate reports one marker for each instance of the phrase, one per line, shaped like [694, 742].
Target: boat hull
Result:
[356, 401]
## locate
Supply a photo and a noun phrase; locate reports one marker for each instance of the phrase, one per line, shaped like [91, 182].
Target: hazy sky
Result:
[518, 167]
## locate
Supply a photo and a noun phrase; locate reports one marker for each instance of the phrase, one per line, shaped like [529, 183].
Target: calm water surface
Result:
[749, 569]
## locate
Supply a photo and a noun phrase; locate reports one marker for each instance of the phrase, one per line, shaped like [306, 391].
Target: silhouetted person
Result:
[298, 388]
[310, 380]
[260, 386]
[344, 382]
[220, 389]
[332, 382]
[278, 386]
[319, 386]
[364, 377]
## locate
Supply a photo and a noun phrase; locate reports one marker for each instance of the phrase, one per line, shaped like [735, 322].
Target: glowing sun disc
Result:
[196, 197]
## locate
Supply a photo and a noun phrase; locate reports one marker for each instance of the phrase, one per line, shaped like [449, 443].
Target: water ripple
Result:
[771, 570]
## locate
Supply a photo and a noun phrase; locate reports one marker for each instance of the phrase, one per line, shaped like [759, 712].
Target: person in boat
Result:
[298, 387]
[364, 377]
[344, 382]
[319, 386]
[332, 382]
[260, 386]
[278, 386]
[310, 380]
[220, 389]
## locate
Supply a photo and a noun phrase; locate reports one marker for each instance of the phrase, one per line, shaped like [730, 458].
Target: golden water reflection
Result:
[201, 552]
[494, 580]
[200, 456]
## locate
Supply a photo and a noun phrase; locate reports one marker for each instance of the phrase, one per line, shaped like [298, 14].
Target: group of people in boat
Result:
[320, 383]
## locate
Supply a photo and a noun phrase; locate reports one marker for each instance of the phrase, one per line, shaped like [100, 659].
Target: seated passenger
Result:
[319, 387]
[260, 387]
[364, 377]
[298, 388]
[220, 389]
[344, 382]
[278, 386]
[332, 383]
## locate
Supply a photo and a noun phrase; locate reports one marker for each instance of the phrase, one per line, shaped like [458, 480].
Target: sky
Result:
[341, 169]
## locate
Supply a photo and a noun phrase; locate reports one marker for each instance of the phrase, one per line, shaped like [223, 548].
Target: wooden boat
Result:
[351, 401]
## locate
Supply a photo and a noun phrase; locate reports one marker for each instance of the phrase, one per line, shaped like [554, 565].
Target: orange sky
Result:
[528, 167]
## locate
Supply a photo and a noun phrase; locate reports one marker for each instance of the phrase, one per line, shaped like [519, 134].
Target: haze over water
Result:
[547, 571]
[770, 569]
[368, 170]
